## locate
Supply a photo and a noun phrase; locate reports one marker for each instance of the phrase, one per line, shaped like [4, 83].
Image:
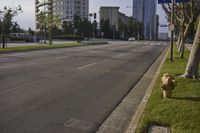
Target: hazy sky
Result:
[27, 18]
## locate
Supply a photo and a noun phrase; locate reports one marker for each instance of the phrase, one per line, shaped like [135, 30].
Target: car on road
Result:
[131, 39]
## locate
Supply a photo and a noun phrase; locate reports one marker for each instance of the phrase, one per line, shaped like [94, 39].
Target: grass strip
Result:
[39, 47]
[181, 112]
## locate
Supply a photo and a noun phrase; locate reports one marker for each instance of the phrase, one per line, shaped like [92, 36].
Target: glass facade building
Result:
[137, 10]
[150, 19]
[145, 12]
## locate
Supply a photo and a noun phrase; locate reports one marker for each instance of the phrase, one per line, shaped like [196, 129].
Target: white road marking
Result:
[62, 57]
[3, 67]
[120, 55]
[87, 65]
[158, 44]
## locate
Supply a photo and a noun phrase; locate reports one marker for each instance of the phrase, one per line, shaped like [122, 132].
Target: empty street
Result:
[69, 90]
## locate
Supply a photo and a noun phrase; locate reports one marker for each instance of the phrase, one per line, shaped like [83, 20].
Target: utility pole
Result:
[113, 32]
[3, 33]
[94, 24]
[172, 30]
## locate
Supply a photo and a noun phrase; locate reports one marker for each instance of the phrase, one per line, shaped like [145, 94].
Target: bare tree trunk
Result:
[192, 68]
[178, 41]
[50, 36]
[182, 45]
[183, 36]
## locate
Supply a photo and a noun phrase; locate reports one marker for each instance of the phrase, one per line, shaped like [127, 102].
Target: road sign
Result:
[171, 27]
[170, 1]
[182, 1]
[163, 25]
[164, 1]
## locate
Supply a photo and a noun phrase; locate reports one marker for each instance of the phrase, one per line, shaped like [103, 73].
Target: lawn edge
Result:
[48, 48]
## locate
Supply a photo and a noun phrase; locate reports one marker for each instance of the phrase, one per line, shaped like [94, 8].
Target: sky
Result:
[26, 19]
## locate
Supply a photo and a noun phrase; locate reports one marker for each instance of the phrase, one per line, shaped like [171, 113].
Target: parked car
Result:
[131, 39]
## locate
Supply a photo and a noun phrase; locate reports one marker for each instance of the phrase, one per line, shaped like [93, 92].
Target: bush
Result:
[68, 37]
[26, 39]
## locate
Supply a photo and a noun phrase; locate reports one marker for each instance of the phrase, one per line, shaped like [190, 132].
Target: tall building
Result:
[150, 19]
[65, 9]
[137, 10]
[44, 6]
[113, 15]
[145, 12]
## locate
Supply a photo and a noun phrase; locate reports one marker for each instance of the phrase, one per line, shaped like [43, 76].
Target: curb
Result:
[136, 118]
[118, 121]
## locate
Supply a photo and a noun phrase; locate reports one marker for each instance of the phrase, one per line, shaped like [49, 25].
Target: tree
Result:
[7, 15]
[185, 15]
[67, 28]
[48, 22]
[106, 28]
[121, 29]
[15, 27]
[192, 68]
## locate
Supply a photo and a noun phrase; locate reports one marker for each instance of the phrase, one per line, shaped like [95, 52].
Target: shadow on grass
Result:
[187, 98]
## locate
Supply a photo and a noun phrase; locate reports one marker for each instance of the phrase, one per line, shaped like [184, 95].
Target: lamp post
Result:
[172, 29]
[3, 28]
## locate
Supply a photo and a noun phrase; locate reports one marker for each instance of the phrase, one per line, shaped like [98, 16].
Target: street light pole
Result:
[113, 32]
[3, 32]
[172, 30]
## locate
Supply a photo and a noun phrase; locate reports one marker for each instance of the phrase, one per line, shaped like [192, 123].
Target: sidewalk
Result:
[188, 46]
[133, 104]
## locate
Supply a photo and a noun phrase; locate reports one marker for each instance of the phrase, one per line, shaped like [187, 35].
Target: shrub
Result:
[68, 37]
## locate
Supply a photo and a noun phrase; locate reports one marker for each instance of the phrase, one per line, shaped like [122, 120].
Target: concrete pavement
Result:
[69, 89]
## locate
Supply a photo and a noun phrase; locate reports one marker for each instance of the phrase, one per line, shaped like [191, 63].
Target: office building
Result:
[145, 12]
[150, 19]
[44, 6]
[113, 15]
[137, 10]
[65, 9]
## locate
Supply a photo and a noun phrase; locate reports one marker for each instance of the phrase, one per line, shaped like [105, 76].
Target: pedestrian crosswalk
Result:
[150, 43]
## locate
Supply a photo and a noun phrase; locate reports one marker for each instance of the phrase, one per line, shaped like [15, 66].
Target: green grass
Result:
[38, 47]
[181, 112]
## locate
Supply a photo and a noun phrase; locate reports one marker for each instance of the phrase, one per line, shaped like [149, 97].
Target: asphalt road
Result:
[69, 90]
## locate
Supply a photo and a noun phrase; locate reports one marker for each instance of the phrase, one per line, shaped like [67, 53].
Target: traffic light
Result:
[90, 14]
[95, 15]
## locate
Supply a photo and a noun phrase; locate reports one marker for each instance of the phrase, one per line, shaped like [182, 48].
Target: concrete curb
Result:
[136, 118]
[131, 106]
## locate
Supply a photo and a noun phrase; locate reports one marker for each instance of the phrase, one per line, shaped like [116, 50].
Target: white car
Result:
[131, 39]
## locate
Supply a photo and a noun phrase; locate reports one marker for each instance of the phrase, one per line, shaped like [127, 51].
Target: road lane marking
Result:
[87, 65]
[62, 57]
[120, 55]
[3, 67]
